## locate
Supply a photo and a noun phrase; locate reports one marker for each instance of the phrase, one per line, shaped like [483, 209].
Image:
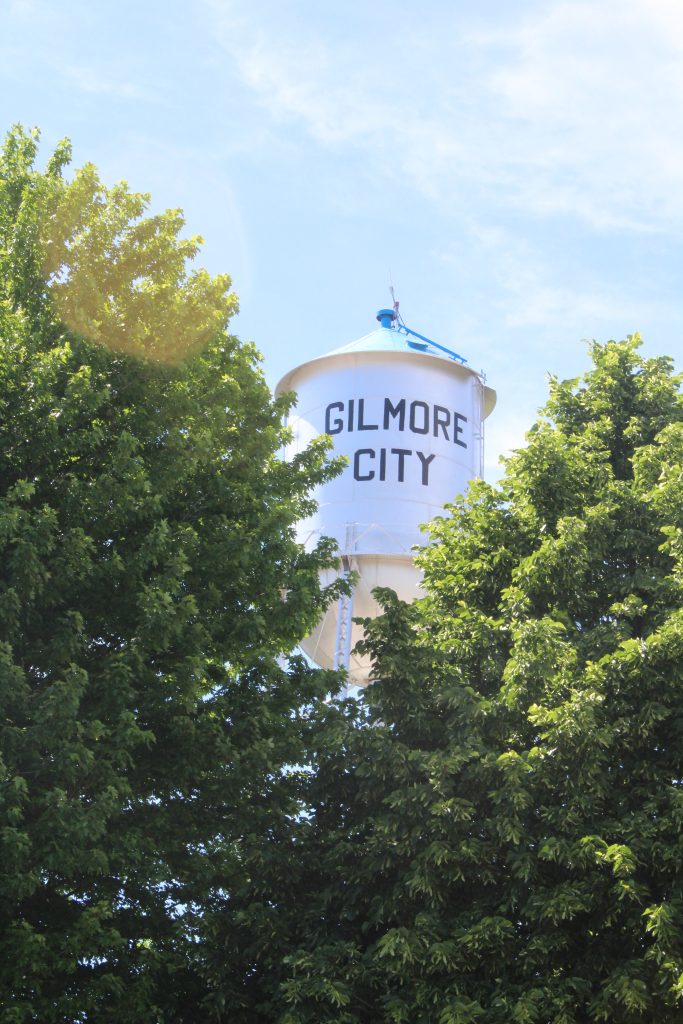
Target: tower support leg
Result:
[342, 646]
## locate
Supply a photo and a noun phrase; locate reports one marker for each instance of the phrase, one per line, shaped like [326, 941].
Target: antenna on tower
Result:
[394, 300]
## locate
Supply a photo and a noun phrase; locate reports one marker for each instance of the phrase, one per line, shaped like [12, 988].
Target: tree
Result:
[496, 835]
[149, 582]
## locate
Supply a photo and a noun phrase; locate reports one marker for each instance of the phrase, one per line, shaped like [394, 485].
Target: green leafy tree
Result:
[149, 582]
[495, 836]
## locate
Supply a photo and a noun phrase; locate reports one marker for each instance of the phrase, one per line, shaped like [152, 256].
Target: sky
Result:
[515, 170]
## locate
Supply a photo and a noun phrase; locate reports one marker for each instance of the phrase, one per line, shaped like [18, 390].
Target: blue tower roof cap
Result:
[382, 339]
[390, 338]
[385, 338]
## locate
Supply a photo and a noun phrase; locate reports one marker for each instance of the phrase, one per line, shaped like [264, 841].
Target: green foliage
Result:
[495, 835]
[149, 582]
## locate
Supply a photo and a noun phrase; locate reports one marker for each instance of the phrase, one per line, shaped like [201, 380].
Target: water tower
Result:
[409, 415]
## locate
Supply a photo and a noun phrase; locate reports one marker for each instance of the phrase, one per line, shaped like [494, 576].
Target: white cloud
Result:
[598, 89]
[528, 296]
[89, 80]
[23, 9]
[535, 290]
[575, 108]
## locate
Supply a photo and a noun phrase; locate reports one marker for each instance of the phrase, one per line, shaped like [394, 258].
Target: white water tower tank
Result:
[408, 414]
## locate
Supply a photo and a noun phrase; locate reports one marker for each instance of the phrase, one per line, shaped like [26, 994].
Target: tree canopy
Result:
[187, 829]
[494, 836]
[149, 583]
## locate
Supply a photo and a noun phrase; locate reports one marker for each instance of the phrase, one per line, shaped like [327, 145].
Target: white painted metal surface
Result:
[410, 424]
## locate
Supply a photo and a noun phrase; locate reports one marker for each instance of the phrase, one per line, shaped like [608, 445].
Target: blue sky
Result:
[517, 169]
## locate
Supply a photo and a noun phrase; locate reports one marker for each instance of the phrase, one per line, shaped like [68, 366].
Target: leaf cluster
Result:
[150, 583]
